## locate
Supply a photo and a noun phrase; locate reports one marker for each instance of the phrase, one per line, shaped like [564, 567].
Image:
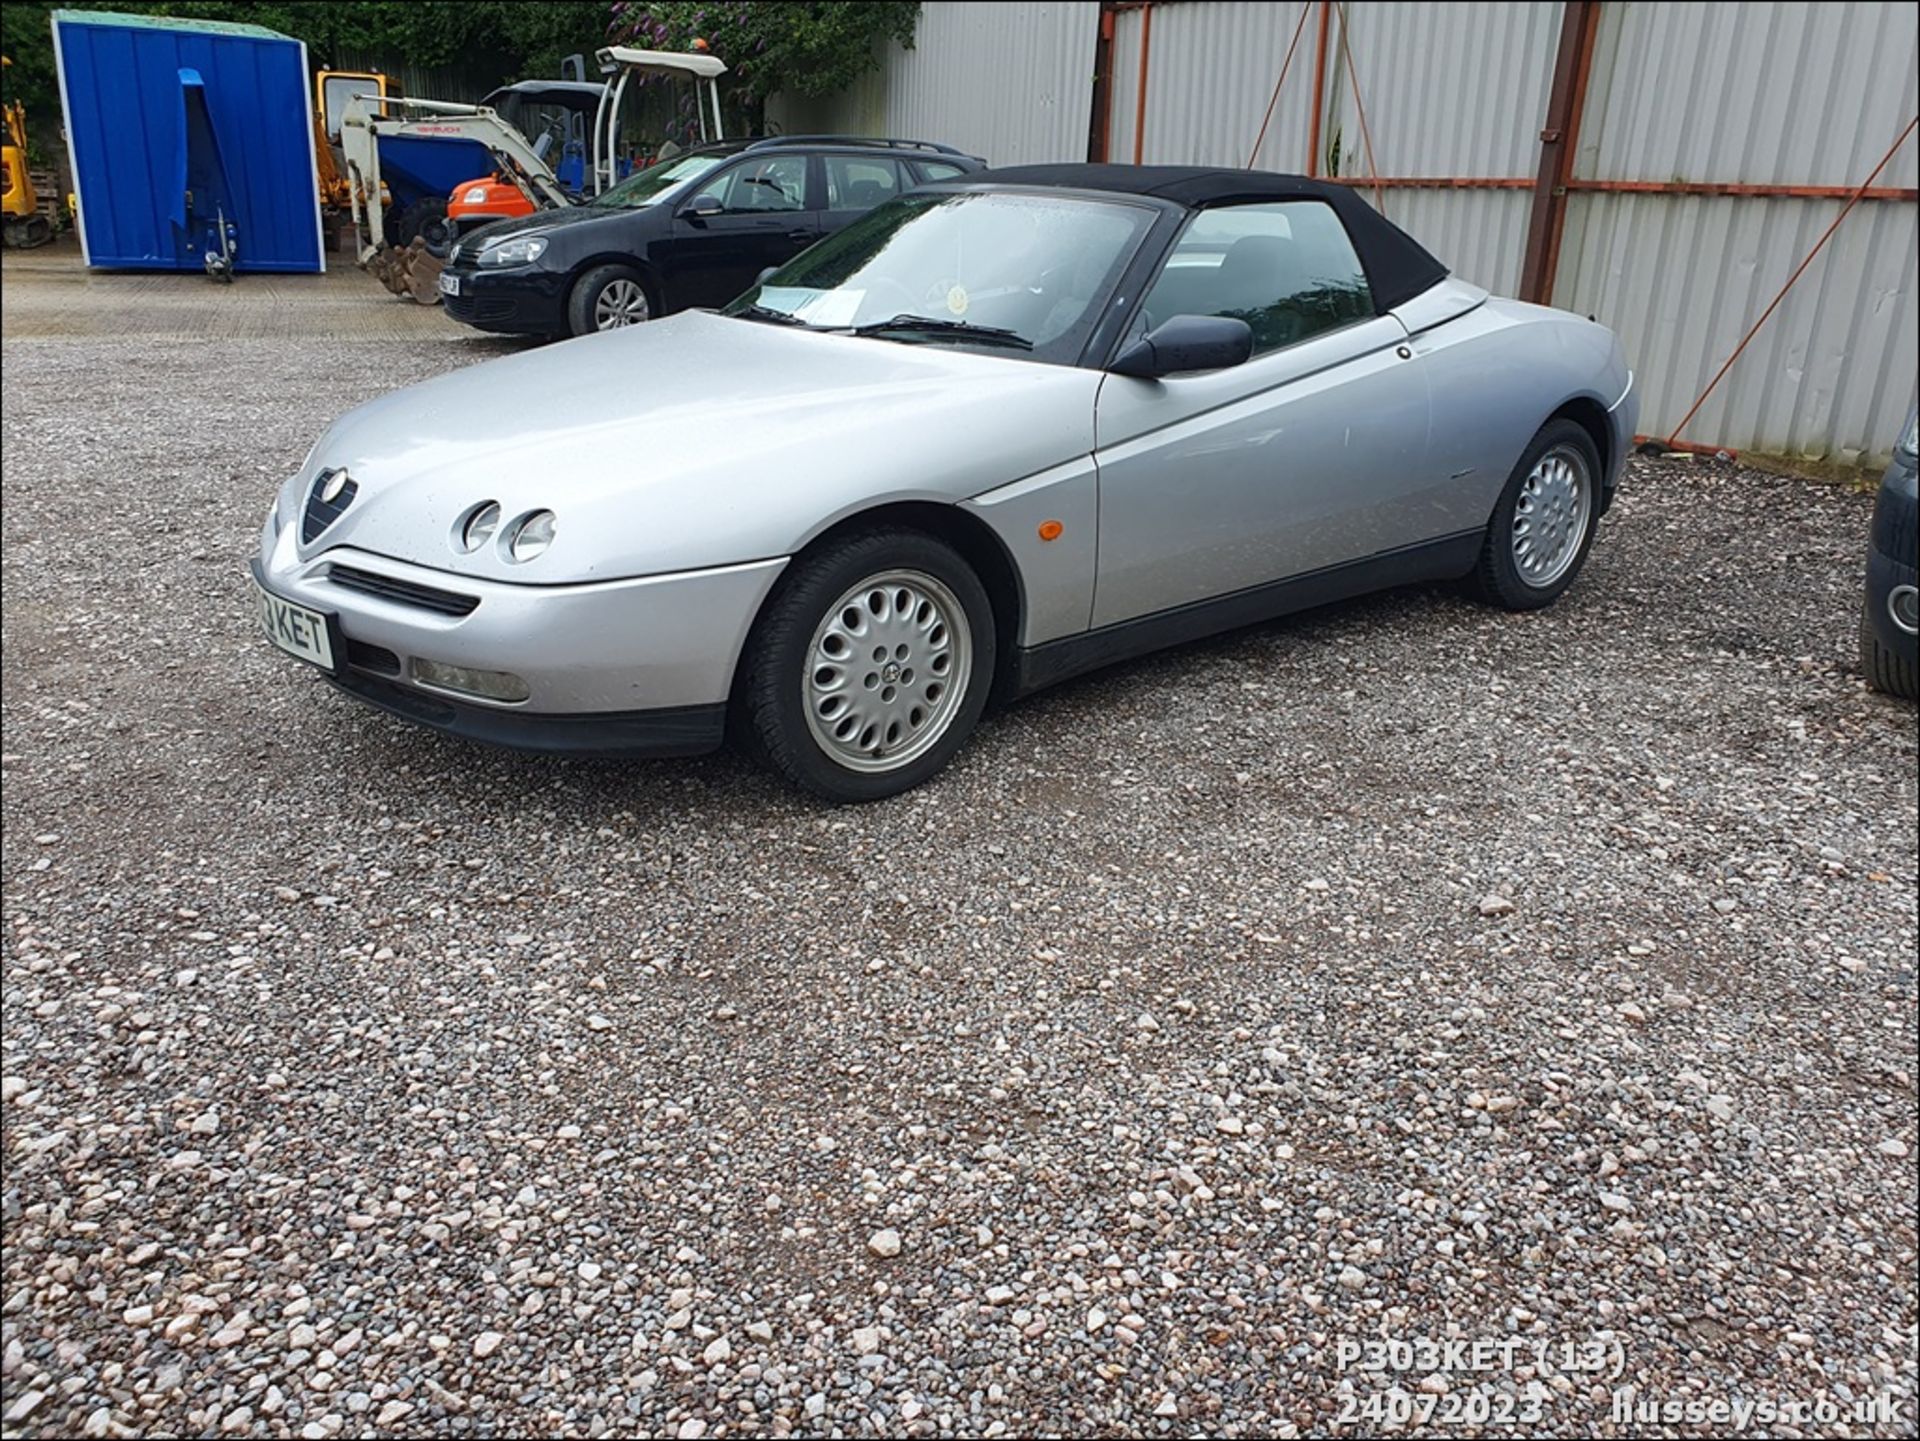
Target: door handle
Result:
[799, 235]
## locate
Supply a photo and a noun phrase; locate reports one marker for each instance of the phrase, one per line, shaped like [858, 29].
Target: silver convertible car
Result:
[998, 432]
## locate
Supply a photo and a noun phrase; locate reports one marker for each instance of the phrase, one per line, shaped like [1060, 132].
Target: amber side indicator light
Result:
[1051, 530]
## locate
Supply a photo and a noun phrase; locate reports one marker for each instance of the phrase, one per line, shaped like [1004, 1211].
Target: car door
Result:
[855, 184]
[1310, 454]
[766, 216]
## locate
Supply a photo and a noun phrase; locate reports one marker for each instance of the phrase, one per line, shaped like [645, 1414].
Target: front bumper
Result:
[668, 731]
[1623, 421]
[635, 666]
[525, 301]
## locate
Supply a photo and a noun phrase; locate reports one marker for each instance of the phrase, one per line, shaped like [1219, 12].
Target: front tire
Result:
[609, 297]
[1545, 521]
[1886, 671]
[869, 667]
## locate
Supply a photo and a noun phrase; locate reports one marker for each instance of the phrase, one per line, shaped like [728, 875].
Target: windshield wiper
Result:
[933, 325]
[772, 317]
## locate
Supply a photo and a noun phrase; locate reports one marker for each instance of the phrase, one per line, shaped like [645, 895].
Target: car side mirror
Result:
[702, 207]
[1186, 343]
[761, 278]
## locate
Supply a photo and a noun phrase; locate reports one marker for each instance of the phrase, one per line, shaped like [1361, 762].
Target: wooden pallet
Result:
[48, 200]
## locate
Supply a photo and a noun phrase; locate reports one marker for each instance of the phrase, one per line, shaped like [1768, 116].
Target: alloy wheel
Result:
[1550, 516]
[620, 302]
[887, 669]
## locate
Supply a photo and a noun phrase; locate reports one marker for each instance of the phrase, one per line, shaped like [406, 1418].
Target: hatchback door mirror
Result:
[702, 207]
[1186, 343]
[761, 278]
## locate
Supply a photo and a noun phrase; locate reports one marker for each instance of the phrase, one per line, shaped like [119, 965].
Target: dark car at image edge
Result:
[691, 231]
[1890, 611]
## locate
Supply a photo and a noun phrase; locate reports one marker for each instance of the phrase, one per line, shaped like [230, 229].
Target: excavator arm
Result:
[367, 119]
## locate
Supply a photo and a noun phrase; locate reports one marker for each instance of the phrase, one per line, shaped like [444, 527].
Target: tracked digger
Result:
[25, 226]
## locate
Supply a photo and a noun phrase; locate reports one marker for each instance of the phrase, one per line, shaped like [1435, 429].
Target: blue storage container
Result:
[180, 129]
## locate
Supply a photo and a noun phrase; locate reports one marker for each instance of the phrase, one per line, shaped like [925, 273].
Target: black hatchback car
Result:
[1890, 615]
[694, 230]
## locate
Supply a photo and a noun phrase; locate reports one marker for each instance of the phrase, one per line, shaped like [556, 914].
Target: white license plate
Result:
[449, 283]
[295, 629]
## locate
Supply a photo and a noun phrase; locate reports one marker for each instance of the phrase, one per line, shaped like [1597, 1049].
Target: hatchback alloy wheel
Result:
[620, 303]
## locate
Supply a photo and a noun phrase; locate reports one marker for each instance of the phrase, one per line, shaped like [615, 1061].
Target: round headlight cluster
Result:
[476, 527]
[530, 535]
[526, 538]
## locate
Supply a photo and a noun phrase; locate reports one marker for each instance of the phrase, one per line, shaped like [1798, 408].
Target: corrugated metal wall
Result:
[1791, 92]
[1010, 81]
[1211, 67]
[1786, 94]
[1449, 89]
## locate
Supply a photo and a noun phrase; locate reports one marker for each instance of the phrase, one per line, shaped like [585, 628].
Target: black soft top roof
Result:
[1398, 267]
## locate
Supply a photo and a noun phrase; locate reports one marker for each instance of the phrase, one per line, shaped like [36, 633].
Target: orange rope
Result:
[1818, 246]
[1379, 199]
[1305, 10]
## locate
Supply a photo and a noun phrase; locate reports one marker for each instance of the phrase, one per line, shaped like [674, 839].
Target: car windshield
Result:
[1000, 271]
[645, 187]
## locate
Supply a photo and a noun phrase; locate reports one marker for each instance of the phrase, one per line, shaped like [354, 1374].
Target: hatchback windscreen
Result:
[990, 270]
[644, 187]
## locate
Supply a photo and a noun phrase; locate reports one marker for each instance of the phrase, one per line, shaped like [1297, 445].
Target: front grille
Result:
[403, 592]
[372, 657]
[321, 513]
[473, 309]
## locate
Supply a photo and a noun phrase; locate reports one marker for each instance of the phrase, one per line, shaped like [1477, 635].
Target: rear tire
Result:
[1885, 671]
[422, 217]
[1545, 521]
[819, 703]
[609, 297]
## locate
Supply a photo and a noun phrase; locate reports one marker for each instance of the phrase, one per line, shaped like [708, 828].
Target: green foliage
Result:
[515, 38]
[769, 46]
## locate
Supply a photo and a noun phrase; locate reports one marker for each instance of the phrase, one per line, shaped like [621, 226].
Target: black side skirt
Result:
[1448, 558]
[671, 731]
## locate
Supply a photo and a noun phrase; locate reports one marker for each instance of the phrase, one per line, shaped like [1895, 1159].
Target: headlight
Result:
[530, 535]
[474, 196]
[476, 527]
[520, 250]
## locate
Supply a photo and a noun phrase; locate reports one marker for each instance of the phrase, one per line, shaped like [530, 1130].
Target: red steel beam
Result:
[1140, 108]
[1319, 90]
[1715, 187]
[1556, 149]
[1582, 75]
[1432, 182]
[1686, 447]
[1629, 187]
[1101, 127]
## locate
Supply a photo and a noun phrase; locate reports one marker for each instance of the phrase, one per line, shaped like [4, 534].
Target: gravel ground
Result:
[1402, 970]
